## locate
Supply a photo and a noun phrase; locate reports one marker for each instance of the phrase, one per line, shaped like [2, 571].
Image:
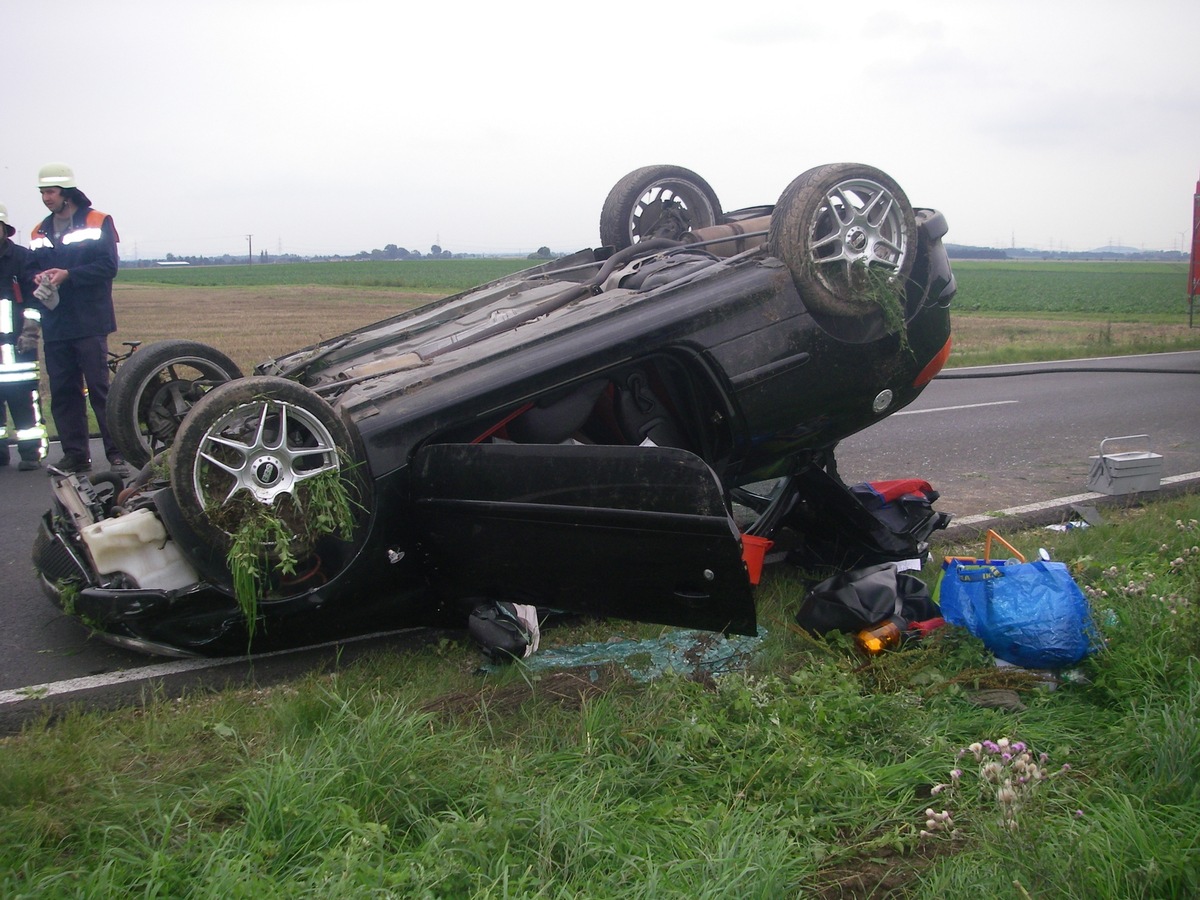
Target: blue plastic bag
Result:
[1031, 614]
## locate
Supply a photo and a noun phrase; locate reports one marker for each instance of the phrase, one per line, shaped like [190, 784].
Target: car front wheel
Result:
[848, 235]
[265, 459]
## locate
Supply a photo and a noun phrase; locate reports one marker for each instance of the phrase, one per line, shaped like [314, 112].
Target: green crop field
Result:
[1117, 290]
[439, 276]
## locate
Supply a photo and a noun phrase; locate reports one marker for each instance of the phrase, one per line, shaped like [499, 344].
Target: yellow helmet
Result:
[58, 175]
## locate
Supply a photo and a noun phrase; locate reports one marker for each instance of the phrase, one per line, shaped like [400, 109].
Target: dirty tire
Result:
[254, 441]
[154, 389]
[657, 201]
[838, 227]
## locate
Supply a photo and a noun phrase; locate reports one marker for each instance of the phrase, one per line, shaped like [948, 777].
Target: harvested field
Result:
[251, 324]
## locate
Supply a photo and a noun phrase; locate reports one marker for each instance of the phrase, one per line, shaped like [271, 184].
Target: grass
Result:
[810, 773]
[1000, 338]
[1122, 290]
[1012, 312]
[424, 275]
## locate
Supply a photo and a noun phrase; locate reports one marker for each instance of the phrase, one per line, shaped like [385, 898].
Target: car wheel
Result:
[154, 389]
[847, 234]
[254, 445]
[657, 201]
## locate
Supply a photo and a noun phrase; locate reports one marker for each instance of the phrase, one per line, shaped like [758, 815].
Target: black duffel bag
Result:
[859, 598]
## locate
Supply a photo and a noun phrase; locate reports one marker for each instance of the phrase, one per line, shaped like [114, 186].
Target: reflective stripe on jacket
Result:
[88, 251]
[91, 229]
[21, 435]
[13, 369]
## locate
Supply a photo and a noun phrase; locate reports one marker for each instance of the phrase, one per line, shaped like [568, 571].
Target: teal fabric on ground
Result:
[682, 652]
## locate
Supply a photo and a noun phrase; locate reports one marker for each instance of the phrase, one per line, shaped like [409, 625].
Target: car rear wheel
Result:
[657, 201]
[154, 389]
[849, 236]
[265, 444]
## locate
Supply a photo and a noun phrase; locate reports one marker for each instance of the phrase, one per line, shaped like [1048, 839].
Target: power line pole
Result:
[249, 249]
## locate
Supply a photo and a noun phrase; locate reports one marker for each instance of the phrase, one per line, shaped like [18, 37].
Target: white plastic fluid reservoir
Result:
[137, 545]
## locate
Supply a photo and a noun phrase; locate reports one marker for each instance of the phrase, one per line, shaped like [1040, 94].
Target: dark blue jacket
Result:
[88, 251]
[16, 296]
[16, 273]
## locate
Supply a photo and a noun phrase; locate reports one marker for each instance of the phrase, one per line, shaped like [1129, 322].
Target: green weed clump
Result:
[816, 771]
[265, 539]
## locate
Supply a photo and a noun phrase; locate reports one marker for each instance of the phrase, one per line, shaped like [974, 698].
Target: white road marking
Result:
[158, 670]
[917, 412]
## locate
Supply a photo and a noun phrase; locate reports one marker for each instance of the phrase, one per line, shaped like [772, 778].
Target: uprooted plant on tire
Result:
[269, 543]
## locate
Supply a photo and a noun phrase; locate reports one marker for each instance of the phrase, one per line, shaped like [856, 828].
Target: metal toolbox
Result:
[1126, 471]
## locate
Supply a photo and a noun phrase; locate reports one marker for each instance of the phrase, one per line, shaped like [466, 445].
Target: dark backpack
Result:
[500, 631]
[846, 527]
[859, 598]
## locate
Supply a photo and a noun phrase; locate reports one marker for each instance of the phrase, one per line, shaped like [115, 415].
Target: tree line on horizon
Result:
[959, 251]
[389, 252]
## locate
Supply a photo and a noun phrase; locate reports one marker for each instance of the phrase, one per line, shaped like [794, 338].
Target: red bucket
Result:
[754, 550]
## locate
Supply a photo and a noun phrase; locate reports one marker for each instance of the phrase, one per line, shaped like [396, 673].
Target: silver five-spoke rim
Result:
[860, 224]
[265, 448]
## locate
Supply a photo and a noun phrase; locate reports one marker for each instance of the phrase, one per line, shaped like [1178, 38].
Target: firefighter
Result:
[76, 249]
[19, 331]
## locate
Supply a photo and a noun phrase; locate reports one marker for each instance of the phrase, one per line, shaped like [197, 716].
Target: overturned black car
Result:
[605, 433]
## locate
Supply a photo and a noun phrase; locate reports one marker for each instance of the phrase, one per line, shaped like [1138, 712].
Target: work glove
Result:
[27, 340]
[47, 294]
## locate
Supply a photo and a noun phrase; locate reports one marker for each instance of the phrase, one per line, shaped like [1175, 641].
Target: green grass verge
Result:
[413, 775]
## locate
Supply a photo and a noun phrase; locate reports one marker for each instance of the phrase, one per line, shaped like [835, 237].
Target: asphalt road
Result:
[997, 437]
[986, 438]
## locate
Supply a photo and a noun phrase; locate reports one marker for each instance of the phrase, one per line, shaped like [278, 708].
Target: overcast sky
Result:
[332, 127]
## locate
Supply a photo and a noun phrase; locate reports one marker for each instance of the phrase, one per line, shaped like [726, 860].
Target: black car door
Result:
[639, 533]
